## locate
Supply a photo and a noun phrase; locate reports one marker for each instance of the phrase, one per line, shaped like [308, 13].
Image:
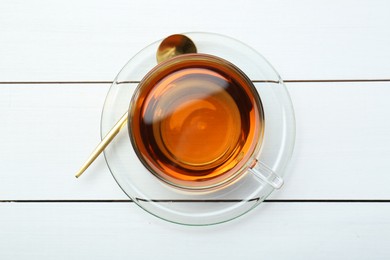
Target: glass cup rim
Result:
[256, 143]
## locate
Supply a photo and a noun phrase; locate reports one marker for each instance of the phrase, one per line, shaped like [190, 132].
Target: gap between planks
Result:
[205, 201]
[256, 81]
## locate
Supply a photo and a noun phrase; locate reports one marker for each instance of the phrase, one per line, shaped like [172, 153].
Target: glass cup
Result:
[196, 122]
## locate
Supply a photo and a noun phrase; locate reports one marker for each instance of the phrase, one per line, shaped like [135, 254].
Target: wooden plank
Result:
[85, 40]
[122, 231]
[342, 144]
[47, 132]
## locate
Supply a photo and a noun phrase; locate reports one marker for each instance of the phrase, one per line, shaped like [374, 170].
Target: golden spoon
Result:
[170, 47]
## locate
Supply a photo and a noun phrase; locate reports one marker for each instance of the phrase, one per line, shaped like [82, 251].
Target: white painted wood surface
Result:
[92, 40]
[342, 143]
[122, 231]
[47, 130]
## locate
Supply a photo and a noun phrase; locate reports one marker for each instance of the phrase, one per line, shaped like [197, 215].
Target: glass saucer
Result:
[189, 207]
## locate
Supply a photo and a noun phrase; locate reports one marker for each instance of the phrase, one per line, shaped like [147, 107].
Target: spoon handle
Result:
[103, 144]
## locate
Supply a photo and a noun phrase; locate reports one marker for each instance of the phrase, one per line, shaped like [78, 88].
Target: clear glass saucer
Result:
[200, 208]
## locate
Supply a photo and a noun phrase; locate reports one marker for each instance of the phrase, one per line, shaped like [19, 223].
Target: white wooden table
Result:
[57, 59]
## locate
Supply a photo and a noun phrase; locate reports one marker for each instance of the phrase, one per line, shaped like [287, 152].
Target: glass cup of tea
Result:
[196, 122]
[210, 133]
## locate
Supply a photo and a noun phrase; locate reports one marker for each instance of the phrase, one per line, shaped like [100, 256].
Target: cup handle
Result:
[263, 172]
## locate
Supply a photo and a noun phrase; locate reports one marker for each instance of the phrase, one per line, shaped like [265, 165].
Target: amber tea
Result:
[195, 121]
